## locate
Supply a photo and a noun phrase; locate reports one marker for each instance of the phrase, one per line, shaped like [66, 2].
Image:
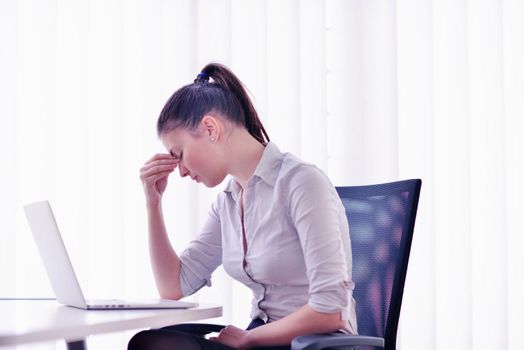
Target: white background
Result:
[369, 90]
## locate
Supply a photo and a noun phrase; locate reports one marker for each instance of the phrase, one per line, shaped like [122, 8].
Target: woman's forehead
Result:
[176, 137]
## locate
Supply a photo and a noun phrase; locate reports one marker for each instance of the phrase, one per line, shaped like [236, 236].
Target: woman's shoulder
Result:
[296, 172]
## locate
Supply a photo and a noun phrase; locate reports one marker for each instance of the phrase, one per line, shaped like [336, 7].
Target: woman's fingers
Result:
[233, 337]
[151, 173]
[154, 178]
[159, 159]
[159, 162]
[154, 175]
[154, 163]
[156, 167]
[160, 156]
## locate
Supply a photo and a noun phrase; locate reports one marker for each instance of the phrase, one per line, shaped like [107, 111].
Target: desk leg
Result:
[76, 345]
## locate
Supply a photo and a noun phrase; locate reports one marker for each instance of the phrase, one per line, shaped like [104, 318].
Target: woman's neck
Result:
[244, 154]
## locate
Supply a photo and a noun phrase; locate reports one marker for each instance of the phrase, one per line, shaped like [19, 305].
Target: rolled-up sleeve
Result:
[202, 256]
[317, 213]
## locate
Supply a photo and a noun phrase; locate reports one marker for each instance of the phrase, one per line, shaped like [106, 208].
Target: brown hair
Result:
[224, 95]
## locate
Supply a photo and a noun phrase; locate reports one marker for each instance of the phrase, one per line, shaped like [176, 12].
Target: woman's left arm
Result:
[303, 321]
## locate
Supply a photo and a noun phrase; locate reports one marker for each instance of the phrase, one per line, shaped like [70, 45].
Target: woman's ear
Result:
[212, 127]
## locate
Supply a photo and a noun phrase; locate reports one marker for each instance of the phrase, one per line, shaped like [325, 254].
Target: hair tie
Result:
[202, 77]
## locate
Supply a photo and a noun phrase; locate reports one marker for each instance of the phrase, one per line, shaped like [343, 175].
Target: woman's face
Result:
[198, 155]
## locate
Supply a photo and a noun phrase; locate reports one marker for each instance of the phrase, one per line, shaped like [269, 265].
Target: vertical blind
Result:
[370, 91]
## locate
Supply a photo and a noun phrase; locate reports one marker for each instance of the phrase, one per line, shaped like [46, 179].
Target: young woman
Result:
[278, 226]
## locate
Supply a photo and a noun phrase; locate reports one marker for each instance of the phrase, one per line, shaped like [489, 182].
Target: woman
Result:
[278, 226]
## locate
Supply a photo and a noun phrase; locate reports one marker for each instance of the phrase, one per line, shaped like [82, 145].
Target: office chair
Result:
[381, 222]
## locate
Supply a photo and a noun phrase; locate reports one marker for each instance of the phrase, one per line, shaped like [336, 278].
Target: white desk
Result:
[26, 321]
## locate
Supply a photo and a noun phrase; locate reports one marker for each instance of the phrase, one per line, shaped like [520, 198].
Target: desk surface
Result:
[25, 321]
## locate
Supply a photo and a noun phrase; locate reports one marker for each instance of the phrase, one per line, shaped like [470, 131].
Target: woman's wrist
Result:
[249, 340]
[252, 338]
[154, 204]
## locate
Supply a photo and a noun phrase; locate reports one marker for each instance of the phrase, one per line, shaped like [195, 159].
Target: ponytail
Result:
[225, 95]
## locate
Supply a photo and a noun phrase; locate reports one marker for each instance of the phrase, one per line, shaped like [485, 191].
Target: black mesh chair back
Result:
[381, 222]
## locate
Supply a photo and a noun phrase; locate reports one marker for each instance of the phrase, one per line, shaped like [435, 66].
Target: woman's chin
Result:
[213, 183]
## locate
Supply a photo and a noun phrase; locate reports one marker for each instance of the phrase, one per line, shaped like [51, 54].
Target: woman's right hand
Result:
[154, 176]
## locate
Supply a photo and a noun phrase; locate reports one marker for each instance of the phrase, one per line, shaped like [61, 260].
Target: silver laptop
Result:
[60, 270]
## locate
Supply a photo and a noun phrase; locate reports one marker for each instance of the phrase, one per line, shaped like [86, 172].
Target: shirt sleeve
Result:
[323, 231]
[203, 255]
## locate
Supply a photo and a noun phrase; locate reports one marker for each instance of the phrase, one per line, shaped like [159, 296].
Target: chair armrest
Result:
[196, 328]
[322, 341]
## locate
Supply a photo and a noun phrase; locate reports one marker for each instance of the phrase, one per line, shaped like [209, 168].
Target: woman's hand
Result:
[154, 175]
[234, 337]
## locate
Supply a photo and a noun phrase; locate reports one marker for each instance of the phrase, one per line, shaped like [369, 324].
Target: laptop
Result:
[60, 270]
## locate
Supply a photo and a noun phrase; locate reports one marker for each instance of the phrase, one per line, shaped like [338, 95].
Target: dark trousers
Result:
[171, 338]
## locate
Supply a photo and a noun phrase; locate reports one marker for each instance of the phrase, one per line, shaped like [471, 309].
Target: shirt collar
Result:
[267, 169]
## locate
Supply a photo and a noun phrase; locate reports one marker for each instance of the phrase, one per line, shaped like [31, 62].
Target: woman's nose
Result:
[183, 170]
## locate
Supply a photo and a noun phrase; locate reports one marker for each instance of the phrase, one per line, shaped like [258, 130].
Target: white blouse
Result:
[299, 251]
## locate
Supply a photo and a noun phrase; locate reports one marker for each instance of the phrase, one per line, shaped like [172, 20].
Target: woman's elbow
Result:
[340, 324]
[331, 322]
[170, 294]
[336, 322]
